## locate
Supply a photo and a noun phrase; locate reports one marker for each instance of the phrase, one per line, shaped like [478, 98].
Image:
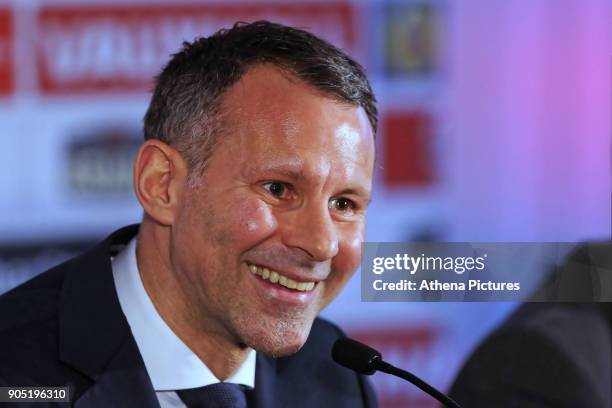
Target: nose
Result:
[313, 230]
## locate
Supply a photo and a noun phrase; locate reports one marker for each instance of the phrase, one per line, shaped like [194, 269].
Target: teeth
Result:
[276, 277]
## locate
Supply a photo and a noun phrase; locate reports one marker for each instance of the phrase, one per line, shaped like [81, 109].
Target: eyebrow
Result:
[289, 173]
[283, 170]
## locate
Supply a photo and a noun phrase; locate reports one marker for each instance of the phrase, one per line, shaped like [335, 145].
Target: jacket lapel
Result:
[94, 336]
[123, 383]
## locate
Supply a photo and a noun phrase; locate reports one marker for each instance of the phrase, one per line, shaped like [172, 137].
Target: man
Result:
[254, 178]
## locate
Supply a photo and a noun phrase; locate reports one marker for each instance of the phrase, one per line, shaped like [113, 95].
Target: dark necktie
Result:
[219, 395]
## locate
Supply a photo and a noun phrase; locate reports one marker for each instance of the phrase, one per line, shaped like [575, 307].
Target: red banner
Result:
[121, 48]
[408, 149]
[6, 52]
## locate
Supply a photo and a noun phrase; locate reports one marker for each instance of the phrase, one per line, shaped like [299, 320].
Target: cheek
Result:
[254, 221]
[349, 255]
[348, 258]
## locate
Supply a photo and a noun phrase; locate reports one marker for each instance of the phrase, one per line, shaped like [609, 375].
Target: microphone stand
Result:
[385, 367]
[364, 359]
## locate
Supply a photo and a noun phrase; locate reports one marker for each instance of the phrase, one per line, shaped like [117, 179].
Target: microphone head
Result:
[357, 356]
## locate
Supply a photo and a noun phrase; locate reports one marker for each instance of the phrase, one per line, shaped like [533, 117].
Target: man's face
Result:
[273, 229]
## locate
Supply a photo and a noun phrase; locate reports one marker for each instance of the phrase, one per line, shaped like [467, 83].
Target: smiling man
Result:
[254, 178]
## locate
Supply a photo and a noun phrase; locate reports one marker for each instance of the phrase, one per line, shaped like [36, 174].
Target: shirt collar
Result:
[171, 365]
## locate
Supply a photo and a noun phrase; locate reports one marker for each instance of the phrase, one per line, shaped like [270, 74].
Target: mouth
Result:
[278, 279]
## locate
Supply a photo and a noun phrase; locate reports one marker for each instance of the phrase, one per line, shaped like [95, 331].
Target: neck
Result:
[215, 348]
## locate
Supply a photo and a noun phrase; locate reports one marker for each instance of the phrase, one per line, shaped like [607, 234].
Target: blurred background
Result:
[494, 126]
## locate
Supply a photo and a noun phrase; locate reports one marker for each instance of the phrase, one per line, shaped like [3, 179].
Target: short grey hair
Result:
[185, 107]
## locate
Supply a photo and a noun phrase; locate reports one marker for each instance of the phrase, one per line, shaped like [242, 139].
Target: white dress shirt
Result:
[171, 365]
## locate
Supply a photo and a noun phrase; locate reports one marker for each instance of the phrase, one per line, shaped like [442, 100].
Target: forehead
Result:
[273, 115]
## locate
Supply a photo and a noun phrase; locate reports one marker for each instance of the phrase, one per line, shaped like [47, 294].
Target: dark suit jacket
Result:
[66, 328]
[547, 354]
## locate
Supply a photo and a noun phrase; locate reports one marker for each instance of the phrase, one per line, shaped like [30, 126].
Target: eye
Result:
[343, 205]
[276, 188]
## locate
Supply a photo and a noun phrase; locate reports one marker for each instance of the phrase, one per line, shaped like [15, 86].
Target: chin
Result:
[282, 339]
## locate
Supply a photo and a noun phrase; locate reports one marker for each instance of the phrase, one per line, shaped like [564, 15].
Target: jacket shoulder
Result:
[32, 301]
[29, 351]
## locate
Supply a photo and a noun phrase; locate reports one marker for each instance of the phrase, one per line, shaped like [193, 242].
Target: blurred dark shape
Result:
[426, 233]
[586, 276]
[549, 354]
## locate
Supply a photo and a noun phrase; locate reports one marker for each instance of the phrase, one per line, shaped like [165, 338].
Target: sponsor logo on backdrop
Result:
[412, 42]
[102, 164]
[121, 48]
[6, 51]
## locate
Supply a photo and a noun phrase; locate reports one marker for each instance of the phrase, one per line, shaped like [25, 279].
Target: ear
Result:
[160, 177]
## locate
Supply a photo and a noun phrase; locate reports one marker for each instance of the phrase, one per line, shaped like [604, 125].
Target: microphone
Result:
[363, 359]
